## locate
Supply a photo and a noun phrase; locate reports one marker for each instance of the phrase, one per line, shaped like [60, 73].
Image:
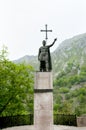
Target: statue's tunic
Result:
[44, 55]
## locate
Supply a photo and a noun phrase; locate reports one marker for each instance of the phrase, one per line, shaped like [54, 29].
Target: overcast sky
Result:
[22, 20]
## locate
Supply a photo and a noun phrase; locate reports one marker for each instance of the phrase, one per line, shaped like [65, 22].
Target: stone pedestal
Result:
[43, 101]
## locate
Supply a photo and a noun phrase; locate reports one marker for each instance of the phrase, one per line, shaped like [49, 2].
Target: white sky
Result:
[22, 20]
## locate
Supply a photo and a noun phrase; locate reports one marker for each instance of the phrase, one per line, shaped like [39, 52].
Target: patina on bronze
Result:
[44, 56]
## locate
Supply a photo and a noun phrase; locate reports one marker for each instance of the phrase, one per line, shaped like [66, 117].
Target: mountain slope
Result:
[70, 51]
[32, 60]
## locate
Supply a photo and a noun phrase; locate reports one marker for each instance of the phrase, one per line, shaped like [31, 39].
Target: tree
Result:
[16, 87]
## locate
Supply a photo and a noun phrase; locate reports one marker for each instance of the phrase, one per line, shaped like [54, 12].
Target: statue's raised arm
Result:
[52, 43]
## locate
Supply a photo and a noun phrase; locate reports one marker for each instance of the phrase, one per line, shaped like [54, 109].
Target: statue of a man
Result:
[44, 56]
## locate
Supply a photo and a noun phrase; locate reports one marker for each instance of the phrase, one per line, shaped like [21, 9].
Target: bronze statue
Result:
[44, 56]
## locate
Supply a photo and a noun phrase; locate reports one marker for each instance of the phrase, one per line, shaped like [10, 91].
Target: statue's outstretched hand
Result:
[55, 39]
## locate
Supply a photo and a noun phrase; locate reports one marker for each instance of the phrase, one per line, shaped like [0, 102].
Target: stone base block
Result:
[43, 80]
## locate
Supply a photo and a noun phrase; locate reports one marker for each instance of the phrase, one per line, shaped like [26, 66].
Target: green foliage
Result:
[16, 88]
[65, 108]
[64, 90]
[71, 88]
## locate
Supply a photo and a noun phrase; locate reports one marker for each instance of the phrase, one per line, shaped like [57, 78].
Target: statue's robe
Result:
[44, 55]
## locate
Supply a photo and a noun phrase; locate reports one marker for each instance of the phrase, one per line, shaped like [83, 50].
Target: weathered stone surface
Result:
[43, 117]
[81, 121]
[43, 101]
[44, 127]
[43, 80]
